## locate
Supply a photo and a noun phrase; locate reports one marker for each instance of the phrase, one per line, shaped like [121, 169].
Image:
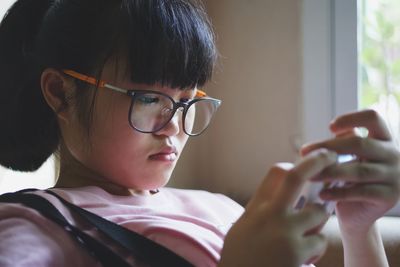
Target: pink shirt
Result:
[191, 223]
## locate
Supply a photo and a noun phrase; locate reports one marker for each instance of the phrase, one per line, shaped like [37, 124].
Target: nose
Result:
[174, 126]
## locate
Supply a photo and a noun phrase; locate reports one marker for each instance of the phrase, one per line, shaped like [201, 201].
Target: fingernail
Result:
[305, 149]
[332, 155]
[300, 203]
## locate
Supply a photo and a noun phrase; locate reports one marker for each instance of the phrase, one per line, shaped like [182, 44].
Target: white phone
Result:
[310, 192]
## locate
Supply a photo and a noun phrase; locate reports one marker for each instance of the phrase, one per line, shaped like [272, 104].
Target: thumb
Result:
[270, 184]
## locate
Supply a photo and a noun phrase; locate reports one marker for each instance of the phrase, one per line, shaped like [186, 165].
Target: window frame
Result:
[330, 62]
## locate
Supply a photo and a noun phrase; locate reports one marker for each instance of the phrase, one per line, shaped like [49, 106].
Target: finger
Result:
[347, 133]
[351, 132]
[360, 172]
[271, 182]
[314, 247]
[311, 165]
[372, 193]
[369, 119]
[365, 148]
[311, 219]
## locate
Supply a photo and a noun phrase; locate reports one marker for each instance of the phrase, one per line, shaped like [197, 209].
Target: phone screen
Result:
[310, 192]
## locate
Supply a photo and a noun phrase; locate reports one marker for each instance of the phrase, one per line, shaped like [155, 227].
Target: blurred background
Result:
[286, 69]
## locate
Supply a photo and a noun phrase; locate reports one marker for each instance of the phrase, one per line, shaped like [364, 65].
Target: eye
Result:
[187, 97]
[148, 99]
[185, 100]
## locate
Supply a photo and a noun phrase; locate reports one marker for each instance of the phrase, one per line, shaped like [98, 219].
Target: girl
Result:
[111, 86]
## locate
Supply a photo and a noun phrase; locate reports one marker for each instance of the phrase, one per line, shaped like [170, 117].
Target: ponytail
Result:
[28, 129]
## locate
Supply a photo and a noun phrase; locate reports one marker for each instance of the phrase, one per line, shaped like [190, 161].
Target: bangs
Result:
[169, 42]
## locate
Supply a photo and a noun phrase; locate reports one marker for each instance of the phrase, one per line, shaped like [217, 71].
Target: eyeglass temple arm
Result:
[85, 78]
[200, 93]
[100, 83]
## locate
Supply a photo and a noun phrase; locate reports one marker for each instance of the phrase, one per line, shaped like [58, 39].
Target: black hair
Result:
[161, 41]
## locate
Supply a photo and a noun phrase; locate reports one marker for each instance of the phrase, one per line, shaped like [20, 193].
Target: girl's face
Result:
[122, 155]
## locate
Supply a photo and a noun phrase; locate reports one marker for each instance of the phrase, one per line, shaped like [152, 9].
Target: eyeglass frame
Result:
[132, 93]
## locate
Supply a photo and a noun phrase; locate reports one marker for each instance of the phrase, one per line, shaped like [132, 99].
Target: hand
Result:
[372, 182]
[271, 232]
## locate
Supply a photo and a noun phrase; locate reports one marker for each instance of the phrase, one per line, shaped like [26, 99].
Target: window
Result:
[379, 60]
[4, 5]
[12, 180]
[42, 178]
[351, 60]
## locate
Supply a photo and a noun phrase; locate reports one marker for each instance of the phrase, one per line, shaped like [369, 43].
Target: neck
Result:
[75, 174]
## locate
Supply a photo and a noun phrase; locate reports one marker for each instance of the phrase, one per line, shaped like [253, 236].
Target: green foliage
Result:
[370, 96]
[384, 27]
[397, 95]
[395, 70]
[372, 57]
[380, 52]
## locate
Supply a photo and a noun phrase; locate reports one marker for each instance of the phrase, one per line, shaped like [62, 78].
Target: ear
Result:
[56, 89]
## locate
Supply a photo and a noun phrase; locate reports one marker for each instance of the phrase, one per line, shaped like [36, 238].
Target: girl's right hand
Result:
[270, 232]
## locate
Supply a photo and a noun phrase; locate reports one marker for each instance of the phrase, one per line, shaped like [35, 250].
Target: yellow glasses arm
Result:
[84, 78]
[93, 81]
[200, 93]
[102, 84]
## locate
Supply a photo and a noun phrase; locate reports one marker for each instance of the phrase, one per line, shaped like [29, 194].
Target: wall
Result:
[11, 181]
[259, 82]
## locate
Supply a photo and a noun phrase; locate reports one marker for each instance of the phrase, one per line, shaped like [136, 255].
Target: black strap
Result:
[101, 252]
[142, 248]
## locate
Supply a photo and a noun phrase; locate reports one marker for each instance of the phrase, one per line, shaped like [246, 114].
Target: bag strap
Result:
[101, 252]
[142, 248]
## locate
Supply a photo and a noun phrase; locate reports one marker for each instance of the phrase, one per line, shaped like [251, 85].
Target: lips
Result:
[165, 154]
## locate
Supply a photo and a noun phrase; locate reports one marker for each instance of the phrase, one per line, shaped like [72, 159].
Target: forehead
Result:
[116, 73]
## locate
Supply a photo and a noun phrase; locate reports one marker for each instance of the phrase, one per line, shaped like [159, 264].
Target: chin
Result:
[162, 182]
[151, 183]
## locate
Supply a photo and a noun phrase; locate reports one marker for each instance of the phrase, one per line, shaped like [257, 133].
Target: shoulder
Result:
[30, 239]
[17, 210]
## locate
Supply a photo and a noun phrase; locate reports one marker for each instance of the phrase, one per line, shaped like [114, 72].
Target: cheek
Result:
[183, 139]
[189, 119]
[110, 131]
[119, 156]
[110, 115]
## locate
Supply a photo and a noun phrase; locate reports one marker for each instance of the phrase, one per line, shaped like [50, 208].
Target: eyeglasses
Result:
[150, 111]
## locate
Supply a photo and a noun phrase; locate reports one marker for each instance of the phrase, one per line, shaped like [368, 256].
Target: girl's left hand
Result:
[373, 181]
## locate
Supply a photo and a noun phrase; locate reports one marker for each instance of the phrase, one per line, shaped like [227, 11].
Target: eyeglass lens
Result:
[150, 112]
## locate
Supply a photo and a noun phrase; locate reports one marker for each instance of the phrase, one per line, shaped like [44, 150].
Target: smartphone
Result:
[310, 192]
